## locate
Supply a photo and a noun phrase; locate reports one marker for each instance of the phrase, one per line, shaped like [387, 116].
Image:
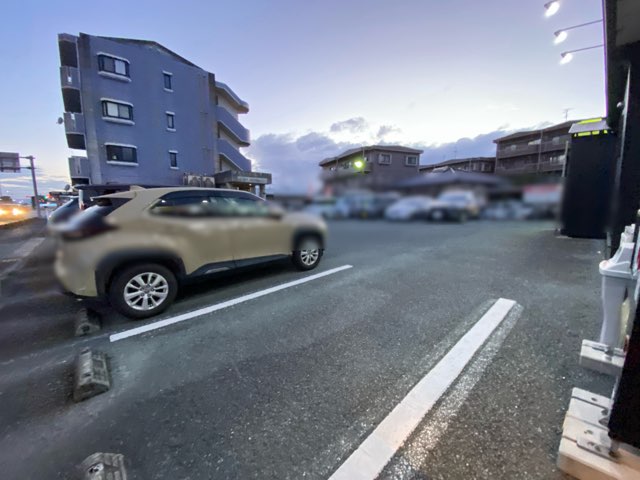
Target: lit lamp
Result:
[566, 57]
[551, 7]
[561, 35]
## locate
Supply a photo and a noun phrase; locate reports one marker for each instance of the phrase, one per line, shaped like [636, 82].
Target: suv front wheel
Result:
[308, 253]
[142, 291]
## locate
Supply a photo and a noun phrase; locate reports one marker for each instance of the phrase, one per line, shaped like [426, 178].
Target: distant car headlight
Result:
[16, 211]
[3, 211]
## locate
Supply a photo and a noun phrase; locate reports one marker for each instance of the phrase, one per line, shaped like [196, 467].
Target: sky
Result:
[322, 76]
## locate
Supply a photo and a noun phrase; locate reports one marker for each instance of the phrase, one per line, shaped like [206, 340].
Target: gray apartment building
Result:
[534, 152]
[472, 164]
[382, 166]
[145, 115]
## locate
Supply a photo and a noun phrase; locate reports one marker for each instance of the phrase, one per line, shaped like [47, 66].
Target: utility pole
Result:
[36, 198]
[566, 113]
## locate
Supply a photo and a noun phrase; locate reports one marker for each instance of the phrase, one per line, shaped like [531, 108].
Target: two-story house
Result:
[144, 114]
[373, 167]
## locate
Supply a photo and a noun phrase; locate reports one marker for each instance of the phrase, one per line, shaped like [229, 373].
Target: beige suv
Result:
[136, 247]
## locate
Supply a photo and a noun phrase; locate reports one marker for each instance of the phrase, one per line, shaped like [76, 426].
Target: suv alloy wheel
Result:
[143, 290]
[307, 254]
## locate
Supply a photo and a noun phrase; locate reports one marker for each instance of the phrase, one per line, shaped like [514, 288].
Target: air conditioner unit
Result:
[208, 182]
[192, 180]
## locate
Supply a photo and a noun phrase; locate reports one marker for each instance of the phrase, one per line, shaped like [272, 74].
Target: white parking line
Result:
[219, 306]
[368, 460]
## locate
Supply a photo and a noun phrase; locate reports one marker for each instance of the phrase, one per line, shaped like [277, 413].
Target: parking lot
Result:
[264, 382]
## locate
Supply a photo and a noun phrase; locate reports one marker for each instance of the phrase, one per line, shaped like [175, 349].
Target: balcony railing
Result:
[547, 166]
[344, 172]
[232, 126]
[74, 123]
[69, 77]
[519, 150]
[233, 155]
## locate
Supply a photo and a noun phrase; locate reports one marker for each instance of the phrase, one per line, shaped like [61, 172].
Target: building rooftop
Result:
[525, 133]
[149, 43]
[368, 148]
[455, 161]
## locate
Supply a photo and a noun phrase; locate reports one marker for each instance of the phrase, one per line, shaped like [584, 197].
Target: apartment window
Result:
[168, 81]
[173, 159]
[384, 158]
[113, 65]
[171, 121]
[126, 154]
[117, 110]
[411, 161]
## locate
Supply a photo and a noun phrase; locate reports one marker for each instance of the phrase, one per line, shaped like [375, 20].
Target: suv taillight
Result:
[87, 230]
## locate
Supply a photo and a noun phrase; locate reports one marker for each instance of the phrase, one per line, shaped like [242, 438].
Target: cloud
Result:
[19, 186]
[479, 146]
[352, 125]
[385, 130]
[293, 160]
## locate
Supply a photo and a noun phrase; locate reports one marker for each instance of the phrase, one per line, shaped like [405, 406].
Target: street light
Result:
[567, 56]
[551, 7]
[358, 164]
[561, 35]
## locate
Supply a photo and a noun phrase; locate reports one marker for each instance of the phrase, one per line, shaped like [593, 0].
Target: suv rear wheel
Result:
[308, 253]
[143, 290]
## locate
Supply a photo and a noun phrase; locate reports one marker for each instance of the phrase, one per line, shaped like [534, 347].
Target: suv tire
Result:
[308, 253]
[142, 291]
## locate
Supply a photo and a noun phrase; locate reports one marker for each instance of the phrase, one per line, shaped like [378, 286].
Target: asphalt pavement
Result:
[289, 384]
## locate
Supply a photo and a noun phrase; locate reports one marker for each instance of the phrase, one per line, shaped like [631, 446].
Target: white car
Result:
[409, 208]
[322, 207]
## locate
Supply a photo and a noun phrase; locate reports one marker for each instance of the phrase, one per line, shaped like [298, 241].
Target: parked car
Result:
[409, 208]
[136, 247]
[12, 211]
[508, 210]
[374, 206]
[324, 207]
[455, 205]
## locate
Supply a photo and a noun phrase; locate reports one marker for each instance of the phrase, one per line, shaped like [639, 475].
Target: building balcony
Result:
[520, 150]
[74, 129]
[224, 89]
[74, 123]
[340, 173]
[231, 153]
[519, 168]
[233, 127]
[69, 77]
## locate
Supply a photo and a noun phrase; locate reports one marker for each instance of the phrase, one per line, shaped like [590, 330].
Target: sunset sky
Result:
[321, 76]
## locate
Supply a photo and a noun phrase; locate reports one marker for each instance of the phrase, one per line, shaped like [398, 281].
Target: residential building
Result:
[534, 152]
[473, 164]
[373, 167]
[144, 114]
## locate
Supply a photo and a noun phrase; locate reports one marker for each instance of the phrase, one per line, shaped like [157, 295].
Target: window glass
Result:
[120, 67]
[167, 81]
[170, 121]
[173, 159]
[124, 111]
[112, 109]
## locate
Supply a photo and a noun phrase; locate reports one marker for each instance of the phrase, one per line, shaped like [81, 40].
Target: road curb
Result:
[19, 223]
[91, 376]
[87, 322]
